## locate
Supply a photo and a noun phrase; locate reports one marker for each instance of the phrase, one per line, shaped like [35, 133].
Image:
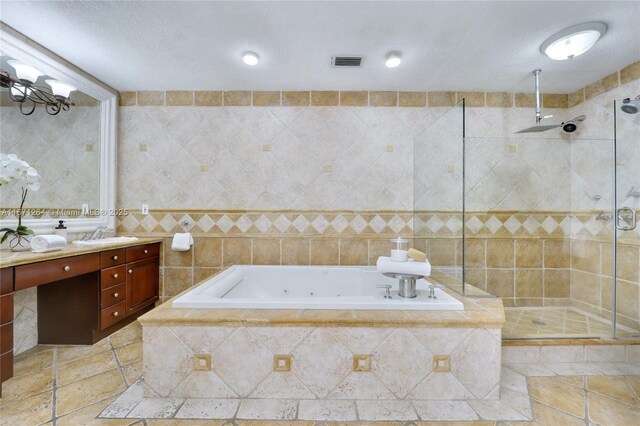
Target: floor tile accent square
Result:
[282, 363]
[203, 362]
[441, 363]
[362, 363]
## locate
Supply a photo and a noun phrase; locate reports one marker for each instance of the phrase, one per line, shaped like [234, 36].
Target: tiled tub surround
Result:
[326, 361]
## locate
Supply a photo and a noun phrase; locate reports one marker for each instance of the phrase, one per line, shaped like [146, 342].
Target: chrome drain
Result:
[537, 322]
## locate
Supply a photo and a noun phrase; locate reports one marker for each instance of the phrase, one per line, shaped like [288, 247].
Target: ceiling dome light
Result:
[393, 59]
[250, 58]
[25, 72]
[573, 41]
[60, 89]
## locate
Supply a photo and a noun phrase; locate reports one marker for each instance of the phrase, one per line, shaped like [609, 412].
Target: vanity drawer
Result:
[6, 308]
[112, 315]
[113, 295]
[142, 252]
[6, 337]
[6, 280]
[113, 257]
[55, 270]
[112, 276]
[6, 366]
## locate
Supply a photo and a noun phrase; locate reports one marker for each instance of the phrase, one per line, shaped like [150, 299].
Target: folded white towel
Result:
[182, 241]
[386, 265]
[45, 243]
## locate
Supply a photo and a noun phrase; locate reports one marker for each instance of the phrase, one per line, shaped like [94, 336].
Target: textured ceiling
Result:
[488, 46]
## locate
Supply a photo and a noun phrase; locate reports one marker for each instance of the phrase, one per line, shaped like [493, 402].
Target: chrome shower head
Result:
[631, 106]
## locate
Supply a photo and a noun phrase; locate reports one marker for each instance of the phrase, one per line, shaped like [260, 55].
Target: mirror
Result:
[73, 151]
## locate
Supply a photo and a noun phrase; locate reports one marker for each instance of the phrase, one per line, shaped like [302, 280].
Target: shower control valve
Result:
[432, 290]
[387, 287]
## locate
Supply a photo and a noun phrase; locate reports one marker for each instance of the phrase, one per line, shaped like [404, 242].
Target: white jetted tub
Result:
[309, 287]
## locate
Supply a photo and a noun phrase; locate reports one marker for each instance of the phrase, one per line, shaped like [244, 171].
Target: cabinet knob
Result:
[131, 271]
[115, 314]
[146, 251]
[115, 295]
[114, 257]
[67, 268]
[115, 275]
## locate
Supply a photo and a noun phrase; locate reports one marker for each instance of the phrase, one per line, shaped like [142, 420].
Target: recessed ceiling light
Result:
[393, 59]
[573, 41]
[250, 58]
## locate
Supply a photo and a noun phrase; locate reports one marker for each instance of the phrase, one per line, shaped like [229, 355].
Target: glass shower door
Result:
[626, 291]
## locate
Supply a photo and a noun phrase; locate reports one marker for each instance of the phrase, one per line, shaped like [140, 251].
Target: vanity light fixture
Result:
[573, 41]
[393, 59]
[250, 58]
[22, 89]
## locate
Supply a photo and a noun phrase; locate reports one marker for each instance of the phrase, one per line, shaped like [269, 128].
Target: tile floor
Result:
[558, 322]
[60, 385]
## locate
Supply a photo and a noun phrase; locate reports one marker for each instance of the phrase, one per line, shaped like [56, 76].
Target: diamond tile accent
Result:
[396, 224]
[512, 224]
[434, 224]
[531, 225]
[301, 223]
[320, 224]
[282, 223]
[224, 223]
[358, 224]
[377, 224]
[493, 224]
[206, 223]
[244, 223]
[263, 224]
[474, 224]
[168, 223]
[454, 224]
[549, 225]
[339, 223]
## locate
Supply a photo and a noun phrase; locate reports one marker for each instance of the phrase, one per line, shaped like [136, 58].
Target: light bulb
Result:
[24, 71]
[393, 60]
[250, 58]
[60, 89]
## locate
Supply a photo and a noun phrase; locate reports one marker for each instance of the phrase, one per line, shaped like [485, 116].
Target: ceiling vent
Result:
[346, 61]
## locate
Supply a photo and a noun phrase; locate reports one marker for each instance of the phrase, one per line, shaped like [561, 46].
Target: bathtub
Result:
[308, 287]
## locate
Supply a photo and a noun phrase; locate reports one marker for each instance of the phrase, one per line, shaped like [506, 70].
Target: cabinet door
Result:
[142, 283]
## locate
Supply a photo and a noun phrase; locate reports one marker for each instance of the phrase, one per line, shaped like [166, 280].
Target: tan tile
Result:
[324, 252]
[176, 422]
[528, 253]
[237, 98]
[30, 411]
[575, 98]
[87, 416]
[500, 282]
[149, 98]
[442, 252]
[85, 367]
[236, 251]
[179, 98]
[266, 98]
[295, 98]
[295, 251]
[412, 99]
[628, 263]
[324, 98]
[616, 387]
[127, 99]
[474, 252]
[544, 415]
[354, 251]
[634, 382]
[601, 86]
[176, 258]
[201, 274]
[70, 353]
[555, 100]
[266, 251]
[556, 254]
[499, 99]
[577, 381]
[525, 100]
[585, 256]
[386, 99]
[628, 296]
[354, 98]
[27, 385]
[132, 372]
[529, 283]
[130, 353]
[557, 283]
[606, 411]
[471, 99]
[500, 253]
[378, 248]
[207, 98]
[630, 73]
[441, 99]
[552, 391]
[36, 359]
[476, 277]
[132, 333]
[207, 252]
[84, 392]
[176, 280]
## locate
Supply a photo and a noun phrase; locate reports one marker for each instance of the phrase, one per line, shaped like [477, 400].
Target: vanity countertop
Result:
[9, 258]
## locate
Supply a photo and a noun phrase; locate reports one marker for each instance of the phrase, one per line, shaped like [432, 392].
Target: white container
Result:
[61, 230]
[399, 248]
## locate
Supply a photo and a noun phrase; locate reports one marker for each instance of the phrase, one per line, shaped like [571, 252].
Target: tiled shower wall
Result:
[313, 156]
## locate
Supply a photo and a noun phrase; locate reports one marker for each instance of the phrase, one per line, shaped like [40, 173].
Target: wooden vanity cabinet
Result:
[83, 298]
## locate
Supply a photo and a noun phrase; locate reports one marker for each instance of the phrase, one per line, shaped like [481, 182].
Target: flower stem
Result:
[24, 197]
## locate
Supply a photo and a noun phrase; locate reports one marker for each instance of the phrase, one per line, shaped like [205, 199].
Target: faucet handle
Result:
[432, 290]
[387, 287]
